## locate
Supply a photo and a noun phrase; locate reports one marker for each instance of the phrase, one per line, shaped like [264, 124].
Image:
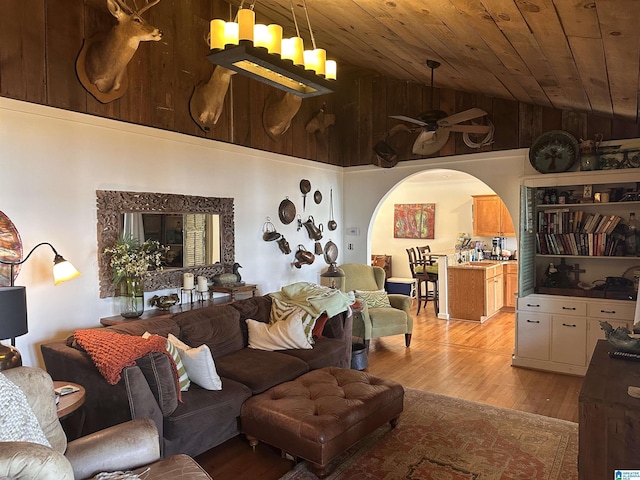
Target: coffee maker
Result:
[497, 244]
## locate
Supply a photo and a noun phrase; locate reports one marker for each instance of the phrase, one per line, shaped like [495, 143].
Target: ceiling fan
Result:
[435, 125]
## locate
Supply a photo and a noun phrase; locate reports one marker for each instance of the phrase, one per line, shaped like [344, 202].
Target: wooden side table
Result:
[234, 290]
[69, 404]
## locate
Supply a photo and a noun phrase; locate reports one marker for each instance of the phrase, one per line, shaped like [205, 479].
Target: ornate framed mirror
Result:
[182, 220]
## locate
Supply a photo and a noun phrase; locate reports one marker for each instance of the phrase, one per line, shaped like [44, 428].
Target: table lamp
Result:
[13, 305]
[334, 276]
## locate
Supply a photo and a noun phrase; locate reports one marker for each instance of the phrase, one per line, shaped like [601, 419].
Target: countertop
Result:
[482, 265]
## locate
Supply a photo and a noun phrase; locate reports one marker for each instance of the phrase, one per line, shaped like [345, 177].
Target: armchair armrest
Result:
[25, 461]
[402, 302]
[362, 322]
[122, 447]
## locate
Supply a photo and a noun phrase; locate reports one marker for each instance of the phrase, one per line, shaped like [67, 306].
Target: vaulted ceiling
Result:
[581, 55]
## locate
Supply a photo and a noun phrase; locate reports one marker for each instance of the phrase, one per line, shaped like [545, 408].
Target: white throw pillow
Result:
[199, 364]
[283, 335]
[18, 423]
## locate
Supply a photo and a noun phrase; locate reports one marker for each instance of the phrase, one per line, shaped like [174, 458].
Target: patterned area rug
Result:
[444, 438]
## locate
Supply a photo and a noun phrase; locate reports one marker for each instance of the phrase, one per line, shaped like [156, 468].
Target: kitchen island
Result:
[476, 290]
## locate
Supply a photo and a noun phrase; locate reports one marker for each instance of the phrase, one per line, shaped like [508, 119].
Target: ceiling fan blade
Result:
[408, 119]
[461, 117]
[428, 142]
[470, 128]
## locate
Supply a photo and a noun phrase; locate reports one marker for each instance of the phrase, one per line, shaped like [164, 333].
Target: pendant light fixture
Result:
[259, 52]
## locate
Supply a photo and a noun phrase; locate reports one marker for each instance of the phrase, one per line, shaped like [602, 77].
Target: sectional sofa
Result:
[196, 420]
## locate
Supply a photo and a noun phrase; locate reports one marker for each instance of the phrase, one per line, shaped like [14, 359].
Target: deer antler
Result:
[147, 6]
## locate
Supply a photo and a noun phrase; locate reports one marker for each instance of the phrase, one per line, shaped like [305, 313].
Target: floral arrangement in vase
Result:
[131, 261]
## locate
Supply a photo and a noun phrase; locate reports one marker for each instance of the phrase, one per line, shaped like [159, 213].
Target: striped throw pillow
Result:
[373, 298]
[283, 311]
[184, 380]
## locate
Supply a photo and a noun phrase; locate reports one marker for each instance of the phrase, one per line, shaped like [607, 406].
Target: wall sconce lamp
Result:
[13, 306]
[259, 52]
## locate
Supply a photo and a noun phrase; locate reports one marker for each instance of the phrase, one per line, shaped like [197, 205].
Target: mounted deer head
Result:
[207, 99]
[103, 59]
[278, 114]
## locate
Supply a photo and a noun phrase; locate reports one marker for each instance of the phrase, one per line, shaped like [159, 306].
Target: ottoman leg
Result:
[319, 471]
[253, 442]
[394, 421]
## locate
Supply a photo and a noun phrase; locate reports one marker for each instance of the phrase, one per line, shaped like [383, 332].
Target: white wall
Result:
[366, 187]
[53, 161]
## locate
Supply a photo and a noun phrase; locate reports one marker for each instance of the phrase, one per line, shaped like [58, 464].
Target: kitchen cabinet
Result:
[475, 290]
[491, 217]
[510, 284]
[559, 333]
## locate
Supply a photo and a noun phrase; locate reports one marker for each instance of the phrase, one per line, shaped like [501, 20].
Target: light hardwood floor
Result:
[460, 359]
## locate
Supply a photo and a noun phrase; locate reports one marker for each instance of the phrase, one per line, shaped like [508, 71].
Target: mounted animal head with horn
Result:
[207, 100]
[278, 114]
[102, 62]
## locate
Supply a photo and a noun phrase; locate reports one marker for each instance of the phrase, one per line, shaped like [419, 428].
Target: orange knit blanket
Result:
[111, 351]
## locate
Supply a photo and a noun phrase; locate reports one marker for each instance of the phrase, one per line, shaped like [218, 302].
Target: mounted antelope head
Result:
[278, 114]
[320, 121]
[103, 59]
[207, 99]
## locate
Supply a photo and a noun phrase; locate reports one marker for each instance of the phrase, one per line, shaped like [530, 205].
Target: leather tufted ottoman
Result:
[321, 413]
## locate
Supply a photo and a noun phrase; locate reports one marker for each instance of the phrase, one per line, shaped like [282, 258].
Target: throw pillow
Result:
[183, 378]
[319, 326]
[374, 298]
[18, 423]
[199, 364]
[283, 311]
[283, 335]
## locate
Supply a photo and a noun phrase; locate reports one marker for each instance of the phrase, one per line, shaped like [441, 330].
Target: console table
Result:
[609, 428]
[234, 290]
[157, 313]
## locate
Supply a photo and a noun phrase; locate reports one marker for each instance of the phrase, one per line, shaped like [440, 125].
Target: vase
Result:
[131, 297]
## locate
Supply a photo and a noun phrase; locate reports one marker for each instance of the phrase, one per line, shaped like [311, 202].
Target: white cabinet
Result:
[583, 238]
[533, 332]
[559, 333]
[568, 340]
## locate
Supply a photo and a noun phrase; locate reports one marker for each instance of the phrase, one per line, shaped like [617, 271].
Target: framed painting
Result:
[414, 220]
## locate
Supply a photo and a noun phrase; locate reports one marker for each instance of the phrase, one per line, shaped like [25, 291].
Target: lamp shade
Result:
[13, 312]
[63, 270]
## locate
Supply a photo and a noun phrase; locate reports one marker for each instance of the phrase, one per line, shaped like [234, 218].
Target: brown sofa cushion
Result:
[255, 308]
[217, 326]
[260, 370]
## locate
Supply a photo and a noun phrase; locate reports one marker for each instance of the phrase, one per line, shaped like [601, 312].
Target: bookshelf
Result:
[563, 227]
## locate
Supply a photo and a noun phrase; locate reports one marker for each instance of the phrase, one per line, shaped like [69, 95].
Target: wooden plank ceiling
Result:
[581, 55]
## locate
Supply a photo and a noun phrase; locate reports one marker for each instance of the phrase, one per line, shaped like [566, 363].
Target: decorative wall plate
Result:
[287, 211]
[10, 249]
[554, 151]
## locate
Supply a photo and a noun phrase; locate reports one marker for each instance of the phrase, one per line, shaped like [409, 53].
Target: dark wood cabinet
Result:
[609, 426]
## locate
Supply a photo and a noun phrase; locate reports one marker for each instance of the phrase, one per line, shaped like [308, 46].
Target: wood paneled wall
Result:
[39, 42]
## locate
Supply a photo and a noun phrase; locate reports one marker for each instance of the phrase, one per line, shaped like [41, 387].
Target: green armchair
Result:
[381, 321]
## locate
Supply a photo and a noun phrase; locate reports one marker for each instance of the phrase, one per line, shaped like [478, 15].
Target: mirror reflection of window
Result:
[193, 239]
[213, 239]
[134, 226]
